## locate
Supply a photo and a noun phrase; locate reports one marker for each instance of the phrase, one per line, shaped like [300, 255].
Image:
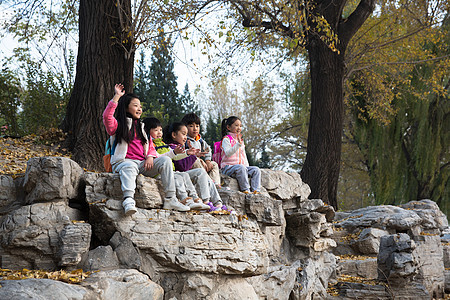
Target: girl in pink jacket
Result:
[234, 160]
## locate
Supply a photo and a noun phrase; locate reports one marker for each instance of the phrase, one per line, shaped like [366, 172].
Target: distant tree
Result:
[212, 131]
[259, 103]
[10, 90]
[187, 102]
[264, 162]
[142, 80]
[44, 99]
[163, 81]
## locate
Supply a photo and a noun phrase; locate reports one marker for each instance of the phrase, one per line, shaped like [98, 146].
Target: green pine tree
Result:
[163, 82]
[150, 105]
[188, 103]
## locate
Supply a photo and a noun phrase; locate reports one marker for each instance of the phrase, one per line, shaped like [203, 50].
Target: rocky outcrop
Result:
[61, 217]
[116, 284]
[278, 245]
[406, 243]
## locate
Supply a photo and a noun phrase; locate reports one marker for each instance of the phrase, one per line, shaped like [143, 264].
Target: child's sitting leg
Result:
[163, 165]
[214, 173]
[255, 179]
[186, 191]
[240, 173]
[128, 171]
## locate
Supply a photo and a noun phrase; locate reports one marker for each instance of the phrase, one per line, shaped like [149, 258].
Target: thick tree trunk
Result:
[323, 158]
[101, 63]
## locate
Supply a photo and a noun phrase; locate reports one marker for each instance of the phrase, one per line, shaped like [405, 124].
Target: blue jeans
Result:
[242, 173]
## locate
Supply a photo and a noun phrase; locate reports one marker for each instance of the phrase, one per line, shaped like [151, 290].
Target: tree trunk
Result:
[321, 168]
[101, 63]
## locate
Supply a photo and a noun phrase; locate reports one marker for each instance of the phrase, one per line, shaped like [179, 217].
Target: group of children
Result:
[174, 155]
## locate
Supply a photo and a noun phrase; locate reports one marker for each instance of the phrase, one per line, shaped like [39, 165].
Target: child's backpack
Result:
[108, 152]
[217, 155]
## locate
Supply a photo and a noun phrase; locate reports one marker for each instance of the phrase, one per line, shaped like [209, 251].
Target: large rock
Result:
[385, 217]
[42, 289]
[74, 241]
[432, 217]
[116, 284]
[368, 241]
[309, 230]
[7, 194]
[122, 284]
[277, 284]
[313, 275]
[366, 268]
[287, 187]
[396, 263]
[192, 286]
[429, 256]
[51, 178]
[35, 236]
[187, 241]
[101, 258]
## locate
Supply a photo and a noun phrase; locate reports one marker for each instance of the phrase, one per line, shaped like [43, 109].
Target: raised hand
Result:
[119, 89]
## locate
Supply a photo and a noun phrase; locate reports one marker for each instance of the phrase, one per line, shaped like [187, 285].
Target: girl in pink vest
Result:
[234, 160]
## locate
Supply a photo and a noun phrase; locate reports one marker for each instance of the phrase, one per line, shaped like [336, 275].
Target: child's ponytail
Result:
[224, 127]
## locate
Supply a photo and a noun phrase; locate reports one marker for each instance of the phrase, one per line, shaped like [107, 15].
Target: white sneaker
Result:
[129, 206]
[192, 204]
[198, 204]
[173, 203]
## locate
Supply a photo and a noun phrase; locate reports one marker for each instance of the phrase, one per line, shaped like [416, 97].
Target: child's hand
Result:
[239, 138]
[179, 149]
[193, 151]
[209, 166]
[119, 92]
[148, 165]
[119, 89]
[202, 153]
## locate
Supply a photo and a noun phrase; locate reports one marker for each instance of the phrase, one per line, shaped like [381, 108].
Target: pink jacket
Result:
[122, 148]
[233, 153]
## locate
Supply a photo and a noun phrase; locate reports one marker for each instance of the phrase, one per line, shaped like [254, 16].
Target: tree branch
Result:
[348, 27]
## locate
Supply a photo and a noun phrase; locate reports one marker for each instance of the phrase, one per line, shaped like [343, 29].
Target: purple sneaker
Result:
[212, 207]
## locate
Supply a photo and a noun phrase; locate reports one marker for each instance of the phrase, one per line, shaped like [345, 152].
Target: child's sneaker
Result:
[192, 204]
[204, 206]
[212, 207]
[228, 209]
[174, 204]
[246, 192]
[129, 205]
[256, 192]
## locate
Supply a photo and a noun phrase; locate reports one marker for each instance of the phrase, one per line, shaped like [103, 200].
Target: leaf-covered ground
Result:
[15, 152]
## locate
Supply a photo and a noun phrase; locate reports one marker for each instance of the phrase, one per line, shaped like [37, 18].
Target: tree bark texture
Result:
[323, 158]
[322, 162]
[101, 63]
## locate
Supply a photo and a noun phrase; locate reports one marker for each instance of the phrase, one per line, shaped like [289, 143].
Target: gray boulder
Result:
[35, 236]
[51, 178]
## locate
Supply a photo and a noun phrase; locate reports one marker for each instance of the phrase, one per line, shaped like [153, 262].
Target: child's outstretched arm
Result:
[108, 115]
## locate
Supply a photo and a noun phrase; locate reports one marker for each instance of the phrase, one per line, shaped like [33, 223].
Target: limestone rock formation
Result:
[278, 245]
